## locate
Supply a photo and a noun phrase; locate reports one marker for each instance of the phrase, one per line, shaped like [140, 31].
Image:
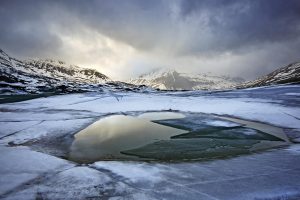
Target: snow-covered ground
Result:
[28, 174]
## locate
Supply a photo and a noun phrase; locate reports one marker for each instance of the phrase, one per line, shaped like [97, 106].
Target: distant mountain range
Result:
[287, 74]
[39, 76]
[173, 80]
[42, 76]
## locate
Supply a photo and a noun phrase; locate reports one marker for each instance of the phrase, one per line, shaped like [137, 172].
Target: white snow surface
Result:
[222, 123]
[134, 171]
[8, 128]
[44, 128]
[20, 165]
[264, 111]
[27, 174]
[293, 94]
[161, 115]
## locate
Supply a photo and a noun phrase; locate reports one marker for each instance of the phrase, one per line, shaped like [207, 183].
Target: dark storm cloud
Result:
[141, 24]
[24, 30]
[197, 26]
[239, 24]
[170, 28]
[204, 25]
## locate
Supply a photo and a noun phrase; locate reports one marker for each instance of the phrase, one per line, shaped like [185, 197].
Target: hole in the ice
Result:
[169, 136]
[106, 138]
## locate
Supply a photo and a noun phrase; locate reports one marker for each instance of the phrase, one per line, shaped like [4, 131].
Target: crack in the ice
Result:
[115, 95]
[86, 101]
[291, 115]
[193, 190]
[116, 179]
[22, 129]
[124, 181]
[35, 181]
[53, 119]
[240, 177]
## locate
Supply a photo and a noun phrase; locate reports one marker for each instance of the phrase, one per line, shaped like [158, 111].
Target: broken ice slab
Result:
[199, 148]
[209, 137]
[210, 126]
[267, 128]
[228, 133]
[293, 135]
[197, 121]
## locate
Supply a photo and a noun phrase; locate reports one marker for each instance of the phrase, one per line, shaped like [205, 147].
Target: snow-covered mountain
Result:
[287, 74]
[38, 76]
[62, 71]
[173, 80]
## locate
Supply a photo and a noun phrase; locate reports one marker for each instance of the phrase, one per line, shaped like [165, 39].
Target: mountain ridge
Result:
[40, 76]
[47, 75]
[170, 79]
[286, 74]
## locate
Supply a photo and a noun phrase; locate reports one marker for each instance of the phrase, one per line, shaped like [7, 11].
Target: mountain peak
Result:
[286, 74]
[43, 75]
[56, 68]
[170, 79]
[159, 72]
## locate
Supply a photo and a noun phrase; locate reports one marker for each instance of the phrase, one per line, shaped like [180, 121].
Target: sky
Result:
[127, 38]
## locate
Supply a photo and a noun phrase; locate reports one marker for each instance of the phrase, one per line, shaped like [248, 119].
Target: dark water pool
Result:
[170, 136]
[106, 138]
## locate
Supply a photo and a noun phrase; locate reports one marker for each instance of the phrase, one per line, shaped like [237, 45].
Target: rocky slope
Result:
[39, 76]
[173, 80]
[287, 74]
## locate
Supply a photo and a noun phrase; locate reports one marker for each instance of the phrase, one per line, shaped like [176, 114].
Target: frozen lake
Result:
[226, 145]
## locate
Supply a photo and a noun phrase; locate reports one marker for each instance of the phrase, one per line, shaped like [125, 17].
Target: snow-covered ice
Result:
[267, 111]
[221, 123]
[28, 174]
[45, 128]
[20, 165]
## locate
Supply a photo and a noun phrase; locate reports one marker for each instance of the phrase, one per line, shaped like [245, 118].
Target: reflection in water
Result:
[106, 138]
